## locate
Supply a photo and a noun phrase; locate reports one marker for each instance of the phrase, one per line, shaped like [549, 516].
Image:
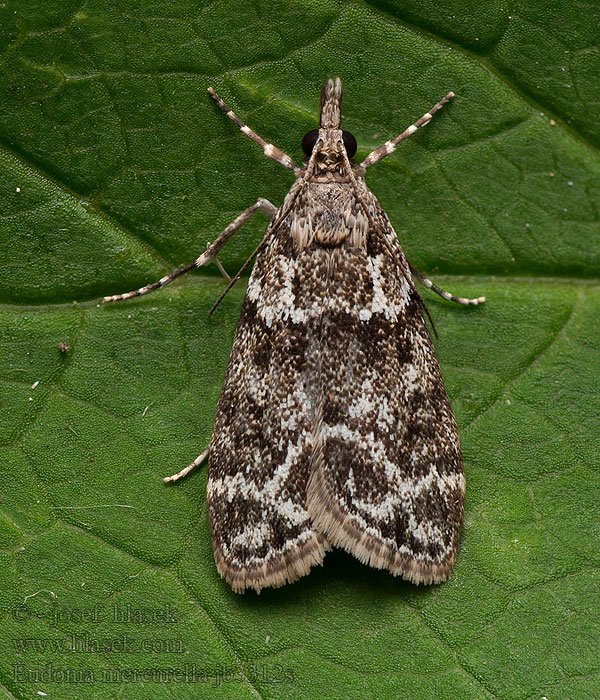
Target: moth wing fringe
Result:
[285, 568]
[342, 531]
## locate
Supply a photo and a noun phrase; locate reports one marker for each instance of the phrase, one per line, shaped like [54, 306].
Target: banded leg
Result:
[390, 146]
[442, 292]
[199, 459]
[269, 149]
[210, 254]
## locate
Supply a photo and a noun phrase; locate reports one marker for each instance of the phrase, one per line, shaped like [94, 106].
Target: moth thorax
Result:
[330, 221]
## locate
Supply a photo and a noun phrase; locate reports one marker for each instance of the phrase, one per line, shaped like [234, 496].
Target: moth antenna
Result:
[269, 149]
[390, 146]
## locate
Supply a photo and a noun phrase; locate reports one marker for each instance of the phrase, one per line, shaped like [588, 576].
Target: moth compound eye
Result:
[308, 142]
[349, 143]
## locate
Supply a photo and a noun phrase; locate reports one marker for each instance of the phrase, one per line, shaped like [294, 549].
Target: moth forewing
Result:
[333, 428]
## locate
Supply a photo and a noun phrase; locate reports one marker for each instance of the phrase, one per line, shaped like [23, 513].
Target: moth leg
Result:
[199, 459]
[222, 270]
[269, 149]
[211, 252]
[442, 292]
[390, 146]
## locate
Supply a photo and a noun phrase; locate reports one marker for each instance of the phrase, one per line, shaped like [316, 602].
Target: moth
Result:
[333, 428]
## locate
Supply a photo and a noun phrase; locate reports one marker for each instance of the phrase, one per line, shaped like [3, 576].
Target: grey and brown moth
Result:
[333, 428]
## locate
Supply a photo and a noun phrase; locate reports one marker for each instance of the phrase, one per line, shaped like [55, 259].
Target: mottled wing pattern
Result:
[333, 427]
[262, 442]
[387, 479]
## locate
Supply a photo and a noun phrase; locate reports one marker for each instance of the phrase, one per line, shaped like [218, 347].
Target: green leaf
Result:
[116, 167]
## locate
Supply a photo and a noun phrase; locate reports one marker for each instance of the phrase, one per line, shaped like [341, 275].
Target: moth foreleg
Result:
[210, 254]
[442, 292]
[199, 459]
[390, 146]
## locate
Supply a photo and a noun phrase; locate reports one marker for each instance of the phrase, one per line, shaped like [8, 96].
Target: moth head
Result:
[331, 104]
[329, 148]
[310, 140]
